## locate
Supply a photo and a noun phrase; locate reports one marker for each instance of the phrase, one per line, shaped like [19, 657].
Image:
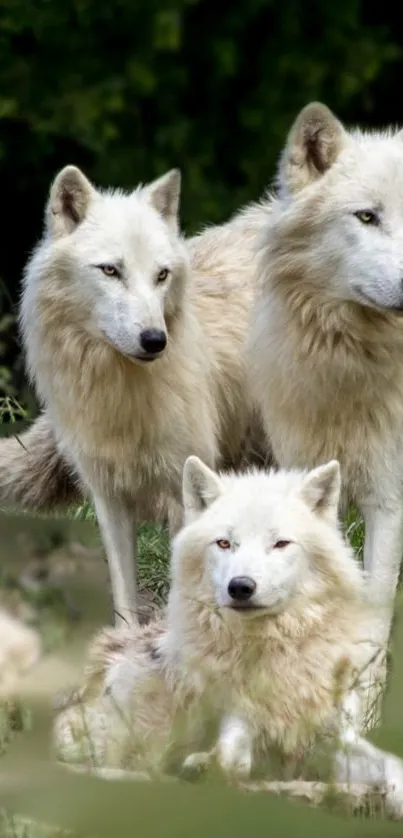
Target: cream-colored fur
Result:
[36, 476]
[123, 420]
[326, 343]
[234, 673]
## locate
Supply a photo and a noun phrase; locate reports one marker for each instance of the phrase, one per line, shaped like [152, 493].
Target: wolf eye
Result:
[223, 544]
[109, 270]
[162, 275]
[279, 545]
[367, 217]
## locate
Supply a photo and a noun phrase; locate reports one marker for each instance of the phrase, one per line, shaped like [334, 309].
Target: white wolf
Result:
[326, 344]
[137, 361]
[266, 638]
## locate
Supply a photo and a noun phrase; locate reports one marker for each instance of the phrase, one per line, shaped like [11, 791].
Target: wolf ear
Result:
[70, 195]
[320, 489]
[313, 145]
[164, 195]
[200, 487]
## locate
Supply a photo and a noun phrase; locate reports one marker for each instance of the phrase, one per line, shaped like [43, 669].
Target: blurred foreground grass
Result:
[54, 575]
[40, 792]
[68, 603]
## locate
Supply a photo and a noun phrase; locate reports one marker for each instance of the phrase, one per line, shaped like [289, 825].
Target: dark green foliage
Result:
[129, 89]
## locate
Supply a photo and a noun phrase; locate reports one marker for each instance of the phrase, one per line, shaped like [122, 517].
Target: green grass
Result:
[354, 529]
[11, 409]
[153, 552]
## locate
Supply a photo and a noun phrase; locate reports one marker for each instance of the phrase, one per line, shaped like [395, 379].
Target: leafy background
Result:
[129, 89]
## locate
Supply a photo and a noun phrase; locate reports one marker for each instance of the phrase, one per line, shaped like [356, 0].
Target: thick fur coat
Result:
[264, 647]
[137, 359]
[326, 342]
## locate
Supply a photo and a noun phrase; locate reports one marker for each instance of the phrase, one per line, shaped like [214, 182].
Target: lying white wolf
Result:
[326, 344]
[264, 646]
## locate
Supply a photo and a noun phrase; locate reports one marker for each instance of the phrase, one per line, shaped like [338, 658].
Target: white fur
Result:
[266, 521]
[280, 673]
[326, 342]
[123, 418]
[126, 232]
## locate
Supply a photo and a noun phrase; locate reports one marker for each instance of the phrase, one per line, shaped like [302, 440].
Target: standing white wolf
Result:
[137, 362]
[326, 344]
[327, 340]
[262, 653]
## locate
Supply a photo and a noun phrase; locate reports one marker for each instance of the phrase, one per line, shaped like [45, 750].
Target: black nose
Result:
[153, 341]
[241, 588]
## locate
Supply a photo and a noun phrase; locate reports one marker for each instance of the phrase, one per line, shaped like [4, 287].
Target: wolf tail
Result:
[34, 477]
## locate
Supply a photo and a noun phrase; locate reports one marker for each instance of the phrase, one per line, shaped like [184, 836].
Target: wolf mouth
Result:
[248, 609]
[367, 300]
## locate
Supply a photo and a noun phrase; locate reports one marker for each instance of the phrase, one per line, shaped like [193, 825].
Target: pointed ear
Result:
[70, 195]
[164, 195]
[200, 487]
[313, 145]
[320, 489]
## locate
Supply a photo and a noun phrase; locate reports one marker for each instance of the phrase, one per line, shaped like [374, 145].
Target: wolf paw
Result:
[364, 763]
[195, 764]
[234, 751]
[236, 763]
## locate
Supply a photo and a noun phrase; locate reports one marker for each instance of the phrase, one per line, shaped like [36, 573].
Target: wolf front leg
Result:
[235, 747]
[117, 524]
[175, 517]
[358, 762]
[383, 550]
[233, 751]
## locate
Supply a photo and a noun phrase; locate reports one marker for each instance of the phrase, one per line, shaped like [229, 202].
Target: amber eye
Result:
[223, 544]
[367, 217]
[109, 270]
[163, 275]
[279, 545]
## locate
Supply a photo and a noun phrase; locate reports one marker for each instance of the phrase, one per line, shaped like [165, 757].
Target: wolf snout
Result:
[241, 588]
[153, 341]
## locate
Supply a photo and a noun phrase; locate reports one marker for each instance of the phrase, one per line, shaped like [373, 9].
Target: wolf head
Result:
[341, 202]
[254, 542]
[119, 256]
